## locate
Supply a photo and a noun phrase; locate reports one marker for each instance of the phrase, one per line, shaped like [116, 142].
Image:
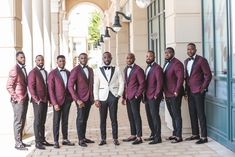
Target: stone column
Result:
[138, 33]
[10, 42]
[55, 42]
[65, 44]
[183, 25]
[122, 45]
[47, 33]
[27, 32]
[38, 33]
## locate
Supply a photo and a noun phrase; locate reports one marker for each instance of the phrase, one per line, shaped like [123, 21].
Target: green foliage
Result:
[94, 27]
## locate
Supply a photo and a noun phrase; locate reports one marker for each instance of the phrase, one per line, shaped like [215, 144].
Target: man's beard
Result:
[149, 62]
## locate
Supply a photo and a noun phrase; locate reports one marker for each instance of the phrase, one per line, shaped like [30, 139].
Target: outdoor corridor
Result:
[164, 149]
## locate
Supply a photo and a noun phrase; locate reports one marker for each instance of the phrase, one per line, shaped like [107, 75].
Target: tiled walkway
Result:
[165, 149]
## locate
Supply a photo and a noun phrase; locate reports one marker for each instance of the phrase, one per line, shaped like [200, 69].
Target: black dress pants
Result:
[197, 111]
[112, 104]
[133, 112]
[152, 110]
[40, 114]
[81, 121]
[62, 117]
[174, 107]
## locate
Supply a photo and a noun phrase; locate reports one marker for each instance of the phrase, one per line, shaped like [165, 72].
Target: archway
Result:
[78, 19]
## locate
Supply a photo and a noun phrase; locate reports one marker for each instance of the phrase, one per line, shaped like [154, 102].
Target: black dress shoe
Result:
[45, 143]
[137, 141]
[67, 142]
[26, 145]
[177, 140]
[56, 145]
[202, 140]
[171, 138]
[149, 139]
[82, 143]
[21, 147]
[102, 142]
[116, 142]
[156, 141]
[86, 140]
[129, 139]
[39, 146]
[193, 137]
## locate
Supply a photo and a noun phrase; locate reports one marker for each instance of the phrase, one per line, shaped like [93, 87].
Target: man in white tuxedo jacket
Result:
[108, 87]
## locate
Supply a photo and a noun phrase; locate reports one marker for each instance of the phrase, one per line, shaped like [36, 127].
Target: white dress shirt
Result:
[165, 67]
[148, 69]
[85, 69]
[23, 69]
[129, 69]
[43, 72]
[63, 75]
[190, 64]
[108, 73]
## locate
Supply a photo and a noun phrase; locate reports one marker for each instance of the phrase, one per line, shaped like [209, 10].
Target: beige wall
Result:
[138, 33]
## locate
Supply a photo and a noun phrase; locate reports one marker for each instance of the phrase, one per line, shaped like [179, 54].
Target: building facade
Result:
[218, 47]
[41, 27]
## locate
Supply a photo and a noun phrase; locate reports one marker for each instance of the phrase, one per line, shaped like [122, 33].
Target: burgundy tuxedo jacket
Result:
[58, 91]
[200, 76]
[17, 85]
[174, 78]
[154, 82]
[37, 86]
[135, 83]
[81, 87]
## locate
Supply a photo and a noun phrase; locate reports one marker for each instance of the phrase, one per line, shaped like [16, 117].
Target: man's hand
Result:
[80, 104]
[123, 101]
[39, 101]
[175, 94]
[97, 103]
[56, 107]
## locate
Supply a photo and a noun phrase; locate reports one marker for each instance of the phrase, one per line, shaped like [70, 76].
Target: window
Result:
[215, 45]
[208, 38]
[233, 49]
[156, 28]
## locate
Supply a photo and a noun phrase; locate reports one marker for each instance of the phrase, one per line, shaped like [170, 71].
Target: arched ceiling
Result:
[103, 4]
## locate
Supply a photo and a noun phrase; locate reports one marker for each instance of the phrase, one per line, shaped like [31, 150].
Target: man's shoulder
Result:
[138, 68]
[177, 61]
[13, 70]
[53, 71]
[33, 70]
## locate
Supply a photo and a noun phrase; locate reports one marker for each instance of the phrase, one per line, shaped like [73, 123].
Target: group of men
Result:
[103, 87]
[58, 88]
[157, 83]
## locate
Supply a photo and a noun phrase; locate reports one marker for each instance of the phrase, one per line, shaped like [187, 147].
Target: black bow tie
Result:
[167, 61]
[84, 66]
[149, 65]
[62, 70]
[129, 66]
[23, 67]
[190, 58]
[106, 67]
[41, 68]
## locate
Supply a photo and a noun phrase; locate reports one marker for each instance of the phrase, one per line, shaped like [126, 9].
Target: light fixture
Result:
[101, 38]
[116, 25]
[106, 35]
[98, 42]
[143, 3]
